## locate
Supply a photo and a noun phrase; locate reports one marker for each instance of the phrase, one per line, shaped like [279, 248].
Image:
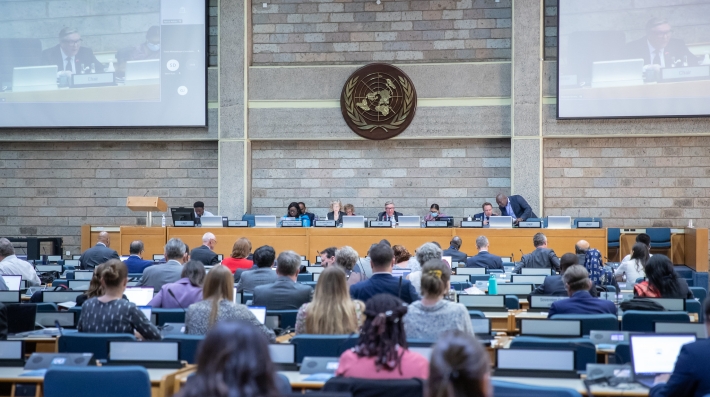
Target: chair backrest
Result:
[509, 389]
[376, 388]
[592, 322]
[643, 321]
[44, 307]
[21, 317]
[613, 235]
[189, 344]
[476, 314]
[512, 302]
[693, 306]
[249, 218]
[322, 345]
[585, 350]
[163, 316]
[659, 234]
[131, 381]
[699, 292]
[80, 342]
[622, 353]
[287, 318]
[610, 288]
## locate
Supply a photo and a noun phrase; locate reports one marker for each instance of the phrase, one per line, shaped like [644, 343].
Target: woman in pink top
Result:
[382, 351]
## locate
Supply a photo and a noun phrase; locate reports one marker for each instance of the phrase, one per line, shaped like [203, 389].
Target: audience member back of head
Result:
[382, 281]
[459, 367]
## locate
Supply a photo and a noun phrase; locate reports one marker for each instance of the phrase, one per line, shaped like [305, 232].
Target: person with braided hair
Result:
[381, 352]
[431, 315]
[459, 367]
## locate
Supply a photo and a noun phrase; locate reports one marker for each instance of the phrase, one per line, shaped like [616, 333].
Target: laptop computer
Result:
[559, 222]
[482, 328]
[141, 296]
[34, 78]
[620, 73]
[259, 312]
[409, 221]
[653, 355]
[354, 222]
[79, 285]
[142, 72]
[283, 355]
[83, 274]
[211, 221]
[500, 222]
[13, 282]
[264, 221]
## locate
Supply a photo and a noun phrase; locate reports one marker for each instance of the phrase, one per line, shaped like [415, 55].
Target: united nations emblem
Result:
[378, 101]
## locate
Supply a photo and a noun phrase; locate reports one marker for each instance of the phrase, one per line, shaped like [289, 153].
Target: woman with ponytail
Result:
[432, 315]
[459, 367]
[381, 352]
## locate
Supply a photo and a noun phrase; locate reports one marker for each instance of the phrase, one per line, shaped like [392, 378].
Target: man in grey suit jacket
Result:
[169, 272]
[98, 254]
[285, 293]
[263, 258]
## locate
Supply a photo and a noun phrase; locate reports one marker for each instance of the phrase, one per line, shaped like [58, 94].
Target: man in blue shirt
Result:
[135, 262]
[514, 206]
[577, 284]
[382, 281]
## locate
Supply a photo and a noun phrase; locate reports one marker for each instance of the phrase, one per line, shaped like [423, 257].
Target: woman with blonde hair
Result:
[332, 311]
[218, 305]
[238, 260]
[336, 214]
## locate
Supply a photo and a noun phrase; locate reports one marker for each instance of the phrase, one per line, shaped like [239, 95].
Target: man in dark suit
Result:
[577, 284]
[514, 206]
[69, 55]
[135, 262]
[285, 293]
[690, 375]
[205, 253]
[486, 214]
[263, 258]
[541, 257]
[658, 48]
[389, 214]
[382, 281]
[98, 254]
[484, 258]
[453, 250]
[168, 272]
[305, 212]
[553, 285]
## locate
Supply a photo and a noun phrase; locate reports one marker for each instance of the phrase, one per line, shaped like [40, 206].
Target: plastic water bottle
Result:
[492, 285]
[469, 218]
[163, 222]
[306, 221]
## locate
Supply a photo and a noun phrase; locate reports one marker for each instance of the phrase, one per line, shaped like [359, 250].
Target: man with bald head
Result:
[453, 251]
[581, 249]
[98, 254]
[205, 253]
[514, 206]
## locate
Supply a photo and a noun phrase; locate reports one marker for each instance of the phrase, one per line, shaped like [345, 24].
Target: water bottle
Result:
[306, 221]
[492, 285]
[163, 222]
[469, 218]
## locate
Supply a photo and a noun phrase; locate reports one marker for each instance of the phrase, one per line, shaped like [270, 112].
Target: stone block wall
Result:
[213, 32]
[358, 31]
[459, 175]
[51, 189]
[550, 25]
[630, 182]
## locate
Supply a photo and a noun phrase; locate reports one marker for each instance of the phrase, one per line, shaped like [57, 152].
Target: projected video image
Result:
[633, 58]
[103, 63]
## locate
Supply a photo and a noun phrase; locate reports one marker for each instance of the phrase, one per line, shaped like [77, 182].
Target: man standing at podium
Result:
[514, 206]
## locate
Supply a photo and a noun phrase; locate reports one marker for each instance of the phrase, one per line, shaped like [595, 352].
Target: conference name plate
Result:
[184, 223]
[380, 224]
[287, 223]
[92, 79]
[686, 72]
[325, 223]
[589, 225]
[437, 224]
[237, 224]
[530, 224]
[471, 224]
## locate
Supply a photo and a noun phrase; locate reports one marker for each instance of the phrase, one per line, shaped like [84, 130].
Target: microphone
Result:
[56, 323]
[512, 257]
[176, 300]
[146, 193]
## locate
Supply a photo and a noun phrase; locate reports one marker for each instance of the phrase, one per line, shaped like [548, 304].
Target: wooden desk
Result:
[153, 239]
[90, 236]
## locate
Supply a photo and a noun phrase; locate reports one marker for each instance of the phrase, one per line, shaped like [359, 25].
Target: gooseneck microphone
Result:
[176, 300]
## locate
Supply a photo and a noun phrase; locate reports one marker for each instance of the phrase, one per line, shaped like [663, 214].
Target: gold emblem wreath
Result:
[360, 121]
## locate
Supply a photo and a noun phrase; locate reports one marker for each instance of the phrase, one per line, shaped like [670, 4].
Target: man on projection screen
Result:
[69, 55]
[659, 48]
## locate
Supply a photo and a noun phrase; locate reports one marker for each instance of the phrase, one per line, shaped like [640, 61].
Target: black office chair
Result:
[21, 317]
[376, 388]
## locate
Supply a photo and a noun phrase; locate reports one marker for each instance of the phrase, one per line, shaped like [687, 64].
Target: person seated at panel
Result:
[541, 257]
[110, 313]
[135, 262]
[98, 254]
[264, 257]
[432, 315]
[514, 206]
[382, 281]
[434, 213]
[169, 272]
[645, 239]
[633, 269]
[659, 48]
[554, 285]
[454, 250]
[10, 264]
[238, 258]
[401, 257]
[332, 311]
[327, 256]
[592, 260]
[485, 216]
[199, 208]
[149, 49]
[293, 212]
[184, 292]
[69, 55]
[335, 213]
[227, 365]
[662, 281]
[205, 253]
[346, 258]
[690, 375]
[349, 210]
[284, 293]
[580, 301]
[484, 258]
[389, 214]
[304, 211]
[459, 366]
[381, 352]
[424, 254]
[218, 306]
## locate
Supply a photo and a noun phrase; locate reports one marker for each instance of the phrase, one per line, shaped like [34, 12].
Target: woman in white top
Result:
[633, 268]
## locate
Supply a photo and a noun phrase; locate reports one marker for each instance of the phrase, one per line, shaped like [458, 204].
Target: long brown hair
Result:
[113, 273]
[458, 367]
[241, 248]
[332, 311]
[219, 284]
[95, 288]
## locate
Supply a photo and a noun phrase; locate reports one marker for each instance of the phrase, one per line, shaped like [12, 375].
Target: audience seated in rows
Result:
[662, 281]
[577, 283]
[382, 281]
[454, 250]
[238, 259]
[346, 257]
[218, 305]
[205, 253]
[110, 313]
[332, 311]
[169, 272]
[184, 292]
[459, 366]
[99, 253]
[232, 361]
[633, 269]
[264, 257]
[11, 264]
[484, 258]
[541, 257]
[135, 262]
[424, 254]
[284, 293]
[381, 352]
[554, 285]
[433, 314]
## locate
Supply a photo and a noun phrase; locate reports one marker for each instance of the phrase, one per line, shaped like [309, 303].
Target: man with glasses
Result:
[389, 214]
[69, 55]
[659, 48]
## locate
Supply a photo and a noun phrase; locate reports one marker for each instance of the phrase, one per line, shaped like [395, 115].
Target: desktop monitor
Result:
[182, 214]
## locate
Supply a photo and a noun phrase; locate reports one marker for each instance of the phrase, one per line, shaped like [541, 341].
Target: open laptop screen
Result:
[656, 354]
[141, 296]
[259, 312]
[13, 282]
